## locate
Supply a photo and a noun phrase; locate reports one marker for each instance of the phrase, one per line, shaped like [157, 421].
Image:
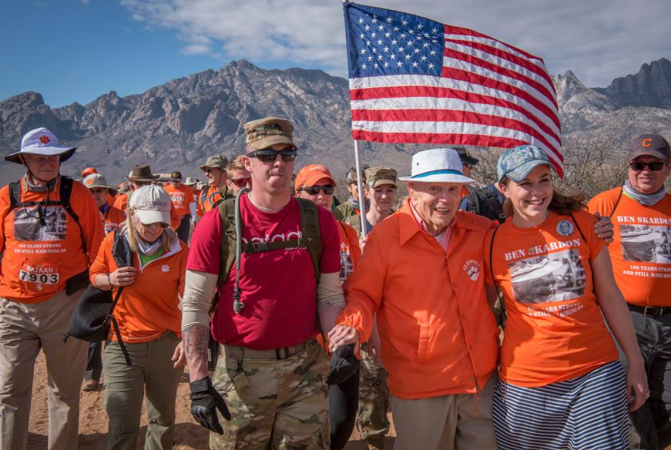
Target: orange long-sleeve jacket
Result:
[438, 334]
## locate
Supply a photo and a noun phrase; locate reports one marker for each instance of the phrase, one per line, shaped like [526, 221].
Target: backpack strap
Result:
[589, 261]
[617, 202]
[228, 244]
[14, 195]
[491, 261]
[311, 229]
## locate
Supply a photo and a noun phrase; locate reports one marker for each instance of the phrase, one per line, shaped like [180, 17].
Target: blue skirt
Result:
[584, 413]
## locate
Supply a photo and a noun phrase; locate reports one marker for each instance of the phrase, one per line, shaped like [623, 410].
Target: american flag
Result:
[414, 80]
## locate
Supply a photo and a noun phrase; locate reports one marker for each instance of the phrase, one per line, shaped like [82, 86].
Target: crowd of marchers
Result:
[506, 316]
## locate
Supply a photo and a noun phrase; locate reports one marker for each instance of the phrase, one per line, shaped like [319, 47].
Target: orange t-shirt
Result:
[554, 327]
[350, 251]
[181, 197]
[150, 306]
[641, 247]
[121, 202]
[112, 220]
[208, 197]
[40, 257]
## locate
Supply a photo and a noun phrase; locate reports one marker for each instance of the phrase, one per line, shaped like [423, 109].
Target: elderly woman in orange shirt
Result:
[149, 321]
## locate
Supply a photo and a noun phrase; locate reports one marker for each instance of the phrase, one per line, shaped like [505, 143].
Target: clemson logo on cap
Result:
[45, 139]
[647, 142]
[88, 181]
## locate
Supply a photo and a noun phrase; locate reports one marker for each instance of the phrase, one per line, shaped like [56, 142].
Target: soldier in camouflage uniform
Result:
[372, 421]
[269, 381]
[351, 206]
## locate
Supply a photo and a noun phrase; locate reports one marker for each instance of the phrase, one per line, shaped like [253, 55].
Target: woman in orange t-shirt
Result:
[561, 385]
[149, 320]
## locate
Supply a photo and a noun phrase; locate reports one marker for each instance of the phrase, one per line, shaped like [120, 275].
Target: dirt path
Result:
[93, 420]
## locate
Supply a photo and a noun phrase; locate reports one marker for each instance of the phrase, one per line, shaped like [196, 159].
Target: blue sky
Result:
[76, 50]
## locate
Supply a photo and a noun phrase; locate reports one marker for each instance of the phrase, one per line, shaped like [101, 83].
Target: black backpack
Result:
[94, 312]
[484, 203]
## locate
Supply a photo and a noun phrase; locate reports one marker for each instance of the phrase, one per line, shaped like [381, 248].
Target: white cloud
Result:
[597, 39]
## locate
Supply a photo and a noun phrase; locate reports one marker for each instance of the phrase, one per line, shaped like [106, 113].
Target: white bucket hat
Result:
[43, 142]
[440, 165]
[151, 204]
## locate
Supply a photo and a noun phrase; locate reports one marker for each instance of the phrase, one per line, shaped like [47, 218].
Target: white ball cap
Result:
[151, 204]
[440, 165]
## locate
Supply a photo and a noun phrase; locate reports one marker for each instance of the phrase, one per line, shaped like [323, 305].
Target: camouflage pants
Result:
[275, 403]
[371, 418]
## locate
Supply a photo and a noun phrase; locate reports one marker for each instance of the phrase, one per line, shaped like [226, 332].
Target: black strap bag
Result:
[94, 312]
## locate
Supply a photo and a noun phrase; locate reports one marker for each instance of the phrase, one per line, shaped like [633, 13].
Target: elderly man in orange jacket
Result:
[439, 338]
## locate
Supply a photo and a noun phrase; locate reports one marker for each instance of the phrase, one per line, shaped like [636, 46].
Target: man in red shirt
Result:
[271, 369]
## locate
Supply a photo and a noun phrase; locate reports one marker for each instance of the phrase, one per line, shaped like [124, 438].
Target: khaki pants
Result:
[24, 330]
[274, 403]
[152, 371]
[448, 422]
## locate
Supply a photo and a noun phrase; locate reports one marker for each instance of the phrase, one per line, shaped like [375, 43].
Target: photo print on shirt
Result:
[645, 243]
[554, 277]
[28, 227]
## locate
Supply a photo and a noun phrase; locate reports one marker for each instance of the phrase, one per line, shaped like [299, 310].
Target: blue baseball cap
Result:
[518, 162]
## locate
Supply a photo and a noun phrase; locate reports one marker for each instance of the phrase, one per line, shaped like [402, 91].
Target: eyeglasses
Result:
[327, 189]
[241, 182]
[653, 166]
[270, 156]
[211, 169]
[155, 224]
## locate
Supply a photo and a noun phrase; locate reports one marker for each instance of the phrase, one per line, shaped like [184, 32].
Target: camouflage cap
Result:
[215, 162]
[264, 133]
[377, 176]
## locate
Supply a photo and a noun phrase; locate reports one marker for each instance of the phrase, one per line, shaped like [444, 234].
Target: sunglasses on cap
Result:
[653, 166]
[327, 189]
[241, 182]
[268, 156]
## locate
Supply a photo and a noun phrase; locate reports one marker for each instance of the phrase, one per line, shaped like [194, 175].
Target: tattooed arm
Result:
[198, 292]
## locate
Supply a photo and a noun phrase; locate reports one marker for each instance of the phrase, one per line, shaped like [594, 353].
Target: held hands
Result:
[205, 400]
[123, 276]
[344, 364]
[343, 335]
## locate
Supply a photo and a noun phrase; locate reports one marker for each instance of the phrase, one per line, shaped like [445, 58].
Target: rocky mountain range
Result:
[177, 125]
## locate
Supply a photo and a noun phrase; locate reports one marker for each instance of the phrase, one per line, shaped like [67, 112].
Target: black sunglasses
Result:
[327, 189]
[639, 166]
[268, 156]
[241, 182]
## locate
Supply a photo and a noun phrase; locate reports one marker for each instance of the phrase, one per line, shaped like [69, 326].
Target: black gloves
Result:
[343, 364]
[205, 401]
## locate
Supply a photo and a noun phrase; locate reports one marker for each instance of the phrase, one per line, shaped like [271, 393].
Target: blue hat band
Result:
[438, 172]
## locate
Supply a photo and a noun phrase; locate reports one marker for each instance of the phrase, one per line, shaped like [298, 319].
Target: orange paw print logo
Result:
[45, 139]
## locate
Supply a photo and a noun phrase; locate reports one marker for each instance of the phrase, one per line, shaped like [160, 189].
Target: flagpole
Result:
[359, 185]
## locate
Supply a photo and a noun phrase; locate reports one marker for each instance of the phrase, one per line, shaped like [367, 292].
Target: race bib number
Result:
[42, 278]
